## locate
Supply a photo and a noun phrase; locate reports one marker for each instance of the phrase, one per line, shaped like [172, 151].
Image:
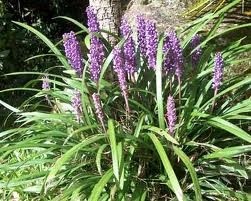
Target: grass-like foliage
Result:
[199, 6]
[124, 144]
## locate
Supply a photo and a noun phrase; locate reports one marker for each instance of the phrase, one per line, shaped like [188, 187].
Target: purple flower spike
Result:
[141, 31]
[46, 87]
[151, 43]
[45, 84]
[197, 53]
[168, 65]
[125, 29]
[118, 59]
[122, 83]
[77, 105]
[73, 52]
[96, 48]
[92, 19]
[98, 108]
[218, 71]
[130, 55]
[173, 61]
[129, 47]
[118, 63]
[171, 114]
[176, 53]
[96, 57]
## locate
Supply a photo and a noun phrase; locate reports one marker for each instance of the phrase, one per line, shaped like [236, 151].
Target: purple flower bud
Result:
[176, 53]
[130, 55]
[96, 46]
[118, 62]
[46, 87]
[73, 52]
[96, 57]
[129, 48]
[168, 63]
[92, 19]
[197, 53]
[77, 105]
[173, 61]
[118, 59]
[125, 29]
[98, 107]
[151, 43]
[45, 84]
[122, 82]
[171, 114]
[141, 31]
[218, 71]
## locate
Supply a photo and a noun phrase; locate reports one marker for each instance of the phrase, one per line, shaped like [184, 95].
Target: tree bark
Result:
[109, 14]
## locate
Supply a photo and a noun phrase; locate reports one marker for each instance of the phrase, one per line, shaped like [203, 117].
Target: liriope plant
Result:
[150, 119]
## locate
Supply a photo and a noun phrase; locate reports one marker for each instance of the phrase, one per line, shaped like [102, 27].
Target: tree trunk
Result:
[109, 13]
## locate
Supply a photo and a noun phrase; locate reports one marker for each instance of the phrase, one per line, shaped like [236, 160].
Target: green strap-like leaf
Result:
[229, 152]
[161, 133]
[74, 22]
[168, 167]
[67, 156]
[159, 84]
[13, 109]
[246, 81]
[136, 134]
[113, 144]
[121, 165]
[191, 170]
[53, 48]
[99, 157]
[229, 127]
[99, 187]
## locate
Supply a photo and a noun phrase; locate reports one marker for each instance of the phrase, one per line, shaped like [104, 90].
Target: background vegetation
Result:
[17, 44]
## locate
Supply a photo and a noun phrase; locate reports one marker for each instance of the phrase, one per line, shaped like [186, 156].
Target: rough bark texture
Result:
[109, 13]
